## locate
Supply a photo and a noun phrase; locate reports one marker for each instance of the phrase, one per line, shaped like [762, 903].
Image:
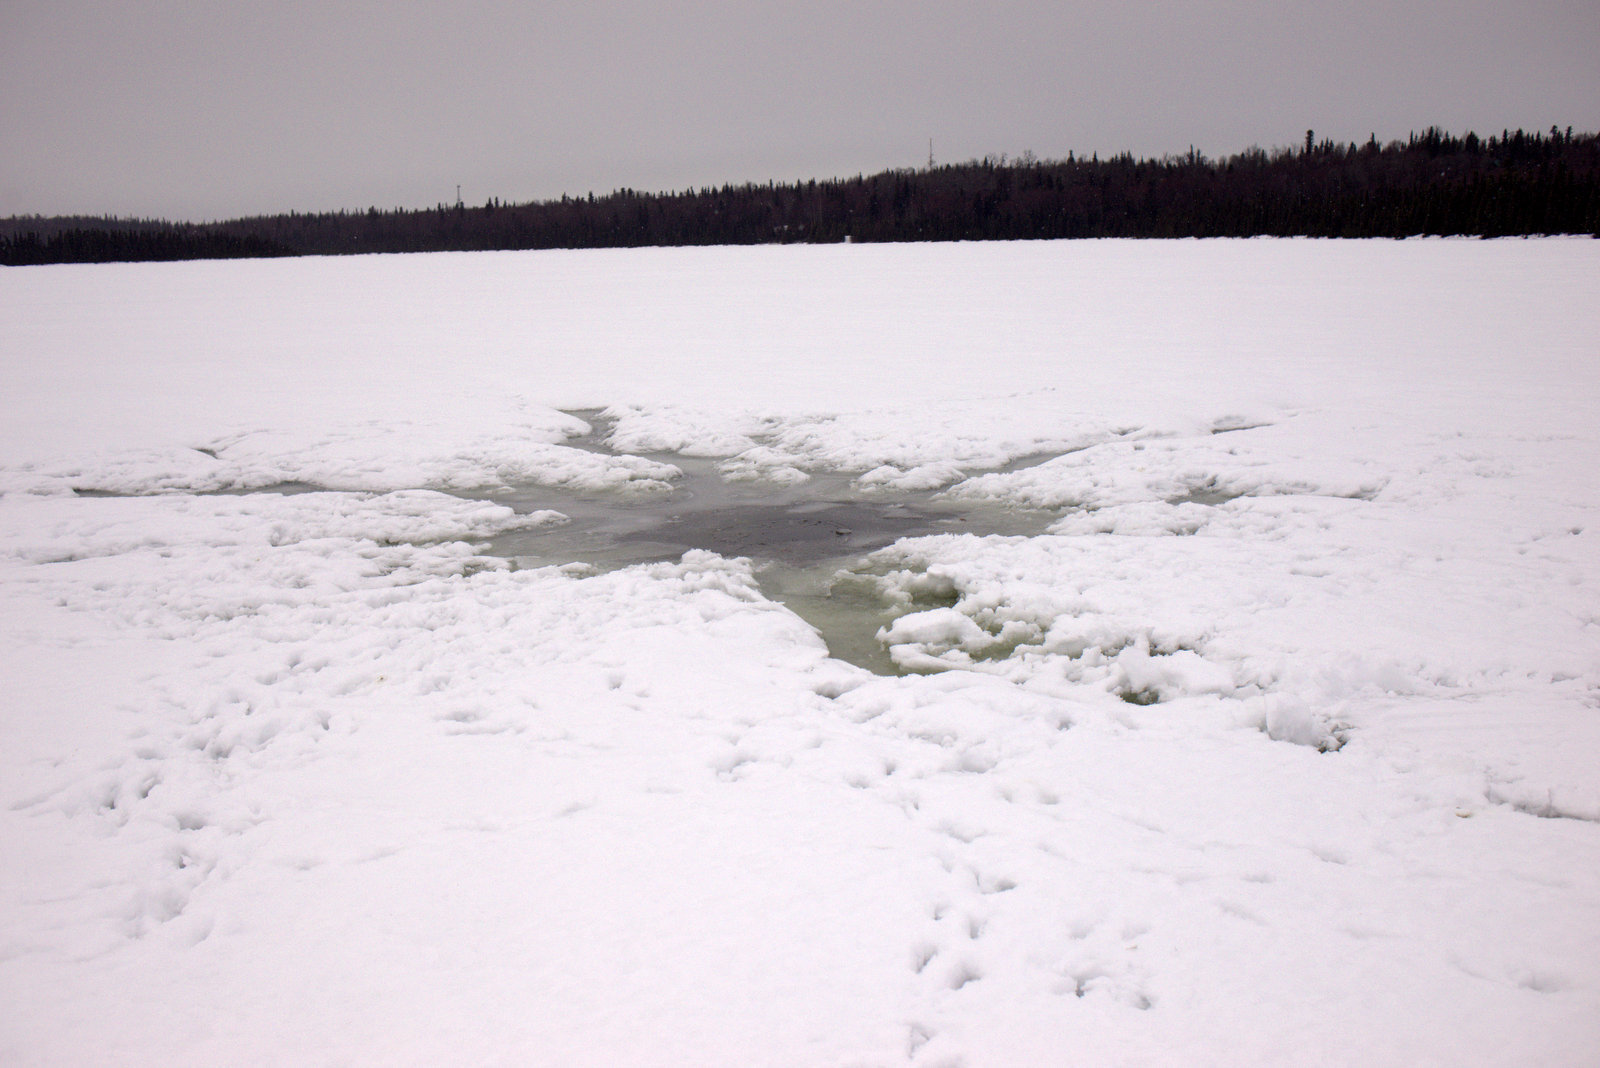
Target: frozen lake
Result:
[1102, 652]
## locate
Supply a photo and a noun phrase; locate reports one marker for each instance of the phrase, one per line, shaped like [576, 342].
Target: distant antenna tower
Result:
[930, 153]
[458, 194]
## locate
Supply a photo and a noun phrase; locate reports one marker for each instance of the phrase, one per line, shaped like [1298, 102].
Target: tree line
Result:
[111, 243]
[1433, 183]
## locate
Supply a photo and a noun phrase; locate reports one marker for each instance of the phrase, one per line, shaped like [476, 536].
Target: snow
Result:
[1283, 745]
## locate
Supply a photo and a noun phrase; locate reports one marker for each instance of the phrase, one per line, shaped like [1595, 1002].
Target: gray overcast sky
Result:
[196, 110]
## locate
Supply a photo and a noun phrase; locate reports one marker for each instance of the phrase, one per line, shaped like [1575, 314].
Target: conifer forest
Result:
[1434, 183]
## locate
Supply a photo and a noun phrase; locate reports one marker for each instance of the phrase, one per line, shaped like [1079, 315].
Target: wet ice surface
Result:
[282, 489]
[804, 537]
[808, 539]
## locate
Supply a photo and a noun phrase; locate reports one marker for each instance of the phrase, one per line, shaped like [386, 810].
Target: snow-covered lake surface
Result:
[407, 659]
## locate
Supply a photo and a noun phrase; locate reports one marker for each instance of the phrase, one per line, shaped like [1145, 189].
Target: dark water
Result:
[806, 539]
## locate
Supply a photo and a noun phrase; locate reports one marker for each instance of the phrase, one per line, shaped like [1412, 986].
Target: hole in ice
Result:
[803, 535]
[1207, 493]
